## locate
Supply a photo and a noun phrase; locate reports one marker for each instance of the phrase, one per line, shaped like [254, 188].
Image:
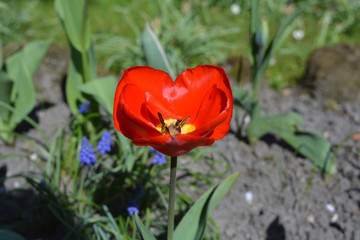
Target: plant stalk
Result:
[84, 55]
[257, 76]
[171, 215]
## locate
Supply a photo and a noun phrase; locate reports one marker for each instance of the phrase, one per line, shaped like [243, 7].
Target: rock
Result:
[49, 76]
[333, 73]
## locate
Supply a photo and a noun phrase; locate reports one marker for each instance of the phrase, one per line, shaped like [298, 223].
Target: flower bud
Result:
[262, 35]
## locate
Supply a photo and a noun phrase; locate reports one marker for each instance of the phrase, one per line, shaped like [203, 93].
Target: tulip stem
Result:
[173, 165]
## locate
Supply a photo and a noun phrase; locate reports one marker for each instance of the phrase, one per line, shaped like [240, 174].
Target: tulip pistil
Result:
[174, 126]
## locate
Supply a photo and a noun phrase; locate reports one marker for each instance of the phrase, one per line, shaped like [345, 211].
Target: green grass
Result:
[192, 33]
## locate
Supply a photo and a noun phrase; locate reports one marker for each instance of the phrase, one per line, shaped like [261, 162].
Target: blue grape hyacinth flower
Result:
[104, 145]
[132, 207]
[87, 153]
[159, 157]
[84, 107]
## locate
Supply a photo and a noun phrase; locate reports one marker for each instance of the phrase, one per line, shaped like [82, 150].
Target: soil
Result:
[290, 198]
[278, 195]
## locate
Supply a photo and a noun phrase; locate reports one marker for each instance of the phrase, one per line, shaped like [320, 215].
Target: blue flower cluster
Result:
[104, 145]
[132, 207]
[159, 157]
[84, 107]
[87, 153]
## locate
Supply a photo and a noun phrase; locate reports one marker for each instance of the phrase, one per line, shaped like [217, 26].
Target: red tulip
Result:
[173, 117]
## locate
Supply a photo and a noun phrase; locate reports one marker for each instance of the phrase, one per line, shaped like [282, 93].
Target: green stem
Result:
[173, 165]
[85, 66]
[258, 76]
[84, 57]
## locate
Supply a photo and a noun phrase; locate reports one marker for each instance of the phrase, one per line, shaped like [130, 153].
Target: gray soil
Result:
[290, 198]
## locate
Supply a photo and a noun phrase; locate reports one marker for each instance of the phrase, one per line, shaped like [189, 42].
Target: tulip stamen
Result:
[172, 126]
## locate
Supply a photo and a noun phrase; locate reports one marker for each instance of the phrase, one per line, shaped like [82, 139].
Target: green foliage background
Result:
[193, 32]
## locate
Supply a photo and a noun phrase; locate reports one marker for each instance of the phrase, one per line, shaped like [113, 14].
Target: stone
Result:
[333, 73]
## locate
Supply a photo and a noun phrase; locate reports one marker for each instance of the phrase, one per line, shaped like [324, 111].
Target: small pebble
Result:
[230, 232]
[16, 184]
[330, 208]
[303, 180]
[286, 92]
[41, 114]
[311, 218]
[326, 135]
[247, 119]
[249, 197]
[33, 157]
[334, 218]
[356, 118]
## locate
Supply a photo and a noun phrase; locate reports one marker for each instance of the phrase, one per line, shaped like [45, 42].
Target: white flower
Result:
[235, 8]
[298, 34]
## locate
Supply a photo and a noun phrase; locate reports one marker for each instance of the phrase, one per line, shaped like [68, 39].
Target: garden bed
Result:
[277, 196]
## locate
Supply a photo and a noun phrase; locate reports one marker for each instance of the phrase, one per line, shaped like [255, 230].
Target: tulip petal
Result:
[147, 79]
[212, 113]
[132, 101]
[202, 93]
[194, 84]
[174, 145]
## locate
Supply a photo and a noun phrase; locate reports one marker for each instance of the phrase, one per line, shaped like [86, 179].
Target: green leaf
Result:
[254, 20]
[130, 161]
[10, 235]
[276, 40]
[245, 101]
[91, 62]
[254, 26]
[154, 52]
[325, 28]
[127, 152]
[73, 16]
[5, 133]
[73, 81]
[259, 66]
[82, 66]
[20, 68]
[309, 144]
[114, 226]
[145, 234]
[103, 90]
[32, 55]
[5, 91]
[312, 146]
[275, 124]
[1, 54]
[193, 224]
